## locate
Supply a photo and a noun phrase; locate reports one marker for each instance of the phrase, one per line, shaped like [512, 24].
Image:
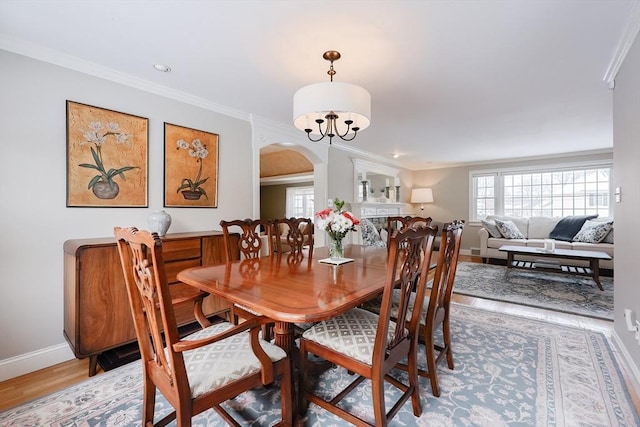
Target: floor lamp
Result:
[422, 196]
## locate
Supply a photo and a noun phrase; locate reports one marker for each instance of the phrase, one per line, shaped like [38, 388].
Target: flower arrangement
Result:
[192, 189]
[103, 184]
[337, 223]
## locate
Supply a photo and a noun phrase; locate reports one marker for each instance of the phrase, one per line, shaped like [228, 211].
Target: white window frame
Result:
[499, 174]
[291, 193]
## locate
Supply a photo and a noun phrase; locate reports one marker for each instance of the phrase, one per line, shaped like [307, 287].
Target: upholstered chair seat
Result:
[216, 365]
[352, 333]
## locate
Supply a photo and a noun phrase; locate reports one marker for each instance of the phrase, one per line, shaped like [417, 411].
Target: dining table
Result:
[295, 290]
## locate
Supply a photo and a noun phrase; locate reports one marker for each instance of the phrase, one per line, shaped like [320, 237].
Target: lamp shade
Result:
[421, 195]
[315, 101]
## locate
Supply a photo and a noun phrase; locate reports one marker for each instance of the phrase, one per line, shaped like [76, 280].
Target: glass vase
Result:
[336, 249]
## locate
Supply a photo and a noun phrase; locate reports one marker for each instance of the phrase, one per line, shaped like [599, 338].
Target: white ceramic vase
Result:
[159, 222]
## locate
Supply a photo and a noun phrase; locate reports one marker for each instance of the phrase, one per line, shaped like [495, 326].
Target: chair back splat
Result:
[395, 223]
[250, 242]
[293, 236]
[204, 369]
[371, 345]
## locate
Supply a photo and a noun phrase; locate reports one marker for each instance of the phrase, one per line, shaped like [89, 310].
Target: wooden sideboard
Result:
[97, 316]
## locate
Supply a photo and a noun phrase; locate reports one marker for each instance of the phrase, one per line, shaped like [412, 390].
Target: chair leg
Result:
[287, 394]
[431, 364]
[377, 391]
[412, 371]
[446, 333]
[302, 380]
[183, 417]
[149, 398]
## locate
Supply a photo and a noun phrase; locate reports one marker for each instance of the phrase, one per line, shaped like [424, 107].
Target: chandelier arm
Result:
[314, 140]
[342, 137]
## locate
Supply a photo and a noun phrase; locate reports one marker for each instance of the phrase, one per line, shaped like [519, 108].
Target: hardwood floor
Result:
[36, 384]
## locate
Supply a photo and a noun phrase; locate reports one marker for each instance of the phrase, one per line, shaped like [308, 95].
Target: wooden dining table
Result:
[293, 291]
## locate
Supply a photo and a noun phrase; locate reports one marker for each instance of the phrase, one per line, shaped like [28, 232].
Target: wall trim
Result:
[33, 361]
[624, 44]
[624, 358]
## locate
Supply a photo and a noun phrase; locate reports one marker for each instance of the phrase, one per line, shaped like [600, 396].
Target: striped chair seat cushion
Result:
[352, 333]
[217, 364]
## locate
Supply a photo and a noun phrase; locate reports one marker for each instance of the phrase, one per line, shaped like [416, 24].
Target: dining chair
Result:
[253, 233]
[371, 345]
[395, 223]
[252, 236]
[292, 236]
[204, 369]
[437, 305]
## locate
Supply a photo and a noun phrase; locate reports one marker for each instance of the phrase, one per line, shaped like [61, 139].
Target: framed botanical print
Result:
[107, 157]
[190, 167]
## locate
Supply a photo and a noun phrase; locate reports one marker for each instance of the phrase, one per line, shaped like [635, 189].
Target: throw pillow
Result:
[491, 227]
[569, 226]
[593, 232]
[509, 230]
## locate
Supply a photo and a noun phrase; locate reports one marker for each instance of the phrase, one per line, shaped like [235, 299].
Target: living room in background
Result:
[300, 202]
[556, 191]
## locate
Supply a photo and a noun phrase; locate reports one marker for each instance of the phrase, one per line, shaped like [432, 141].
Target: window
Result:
[300, 202]
[546, 192]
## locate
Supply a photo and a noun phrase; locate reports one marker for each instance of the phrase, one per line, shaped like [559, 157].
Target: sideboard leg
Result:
[93, 364]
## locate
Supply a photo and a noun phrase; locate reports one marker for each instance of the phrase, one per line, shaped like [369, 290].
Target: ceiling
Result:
[451, 82]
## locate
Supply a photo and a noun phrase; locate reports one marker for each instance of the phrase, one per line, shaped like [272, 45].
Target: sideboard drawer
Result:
[181, 249]
[174, 267]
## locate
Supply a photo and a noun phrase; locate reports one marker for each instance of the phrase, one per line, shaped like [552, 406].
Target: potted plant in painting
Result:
[192, 189]
[103, 184]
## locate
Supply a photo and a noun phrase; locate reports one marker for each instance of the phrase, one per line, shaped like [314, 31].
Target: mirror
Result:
[381, 182]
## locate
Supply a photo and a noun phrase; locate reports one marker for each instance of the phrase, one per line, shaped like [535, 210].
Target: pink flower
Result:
[324, 213]
[352, 218]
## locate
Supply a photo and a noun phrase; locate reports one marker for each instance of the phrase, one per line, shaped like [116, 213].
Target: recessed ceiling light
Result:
[162, 67]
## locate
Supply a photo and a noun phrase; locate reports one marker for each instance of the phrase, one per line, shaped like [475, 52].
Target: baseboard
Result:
[625, 359]
[34, 361]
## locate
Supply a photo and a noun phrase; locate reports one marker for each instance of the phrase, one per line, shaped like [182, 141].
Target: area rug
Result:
[509, 371]
[552, 291]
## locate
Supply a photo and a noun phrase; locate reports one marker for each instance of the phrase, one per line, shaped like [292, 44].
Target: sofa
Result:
[534, 230]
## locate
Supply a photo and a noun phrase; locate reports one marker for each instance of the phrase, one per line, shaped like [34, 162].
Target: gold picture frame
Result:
[190, 167]
[107, 157]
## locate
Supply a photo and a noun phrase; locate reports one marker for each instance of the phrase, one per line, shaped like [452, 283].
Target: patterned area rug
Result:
[552, 291]
[509, 371]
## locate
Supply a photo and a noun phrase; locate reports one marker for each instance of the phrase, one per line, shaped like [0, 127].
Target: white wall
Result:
[626, 158]
[34, 219]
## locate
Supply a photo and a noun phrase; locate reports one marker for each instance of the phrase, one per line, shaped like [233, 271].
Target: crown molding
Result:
[32, 50]
[624, 44]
